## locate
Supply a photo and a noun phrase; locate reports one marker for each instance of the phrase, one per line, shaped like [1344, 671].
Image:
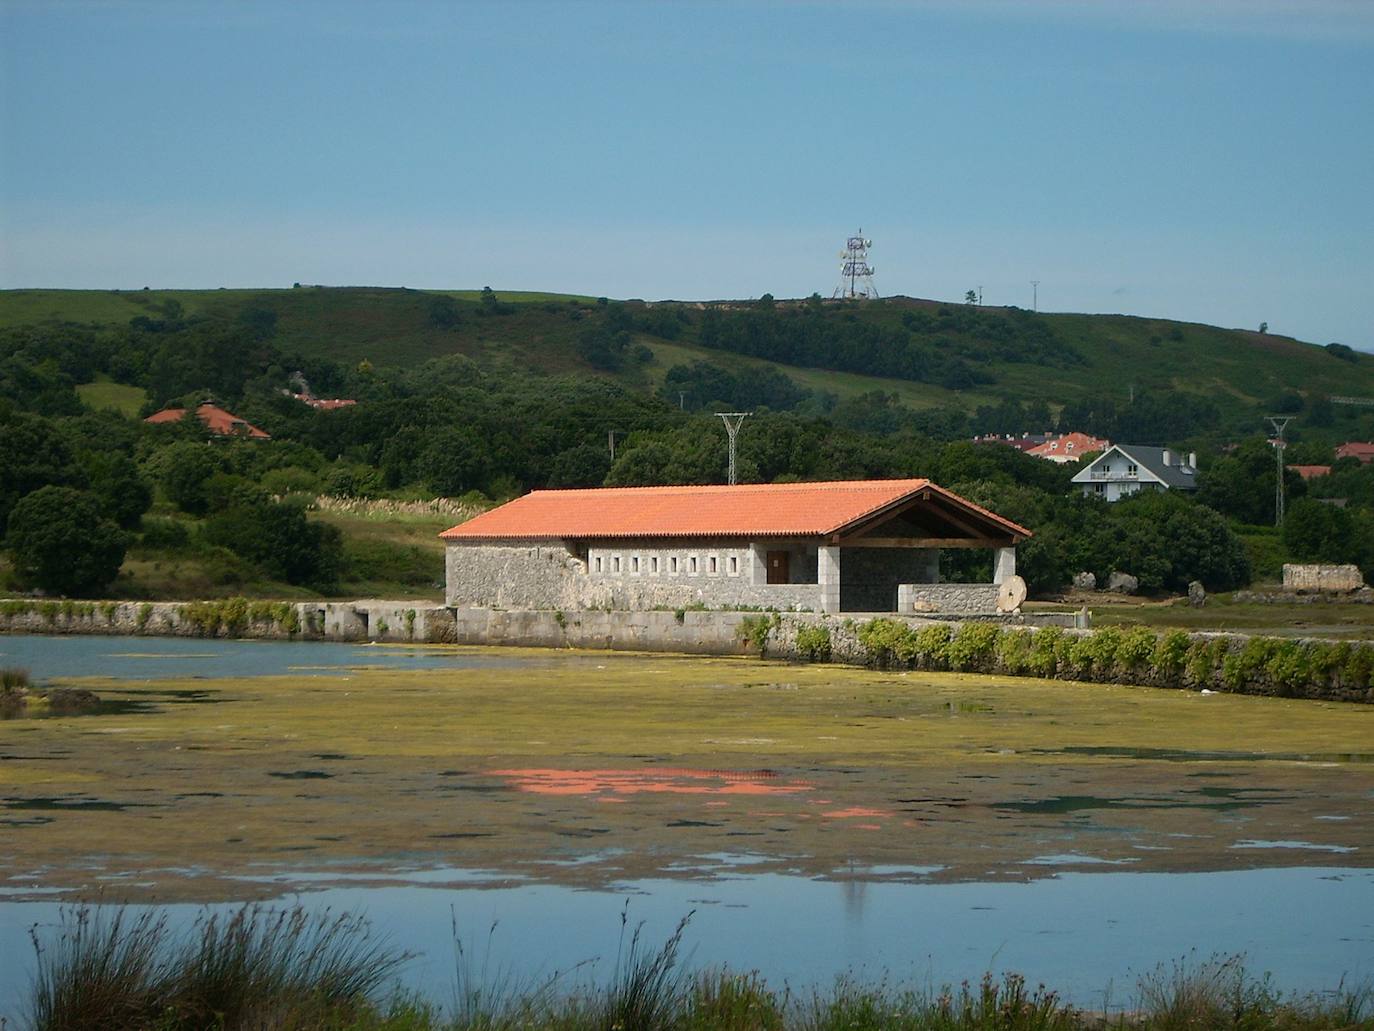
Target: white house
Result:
[1124, 469]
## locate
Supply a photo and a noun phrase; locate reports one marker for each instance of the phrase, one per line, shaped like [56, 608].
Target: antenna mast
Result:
[732, 422]
[1279, 422]
[856, 274]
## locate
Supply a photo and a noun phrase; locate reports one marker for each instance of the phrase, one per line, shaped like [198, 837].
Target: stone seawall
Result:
[1040, 646]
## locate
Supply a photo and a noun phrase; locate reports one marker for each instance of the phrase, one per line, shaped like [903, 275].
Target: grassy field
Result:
[1238, 369]
[122, 398]
[817, 767]
[1339, 619]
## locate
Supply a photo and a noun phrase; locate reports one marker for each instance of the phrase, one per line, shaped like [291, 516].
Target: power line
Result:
[1279, 422]
[732, 421]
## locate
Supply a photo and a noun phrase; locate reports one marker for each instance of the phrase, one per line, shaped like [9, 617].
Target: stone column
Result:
[758, 564]
[1003, 565]
[828, 577]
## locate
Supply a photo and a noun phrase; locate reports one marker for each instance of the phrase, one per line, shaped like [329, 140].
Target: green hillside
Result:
[974, 356]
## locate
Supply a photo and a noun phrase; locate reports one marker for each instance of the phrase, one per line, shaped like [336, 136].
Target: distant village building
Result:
[323, 404]
[1054, 447]
[1356, 449]
[1019, 441]
[1125, 469]
[216, 420]
[1068, 447]
[1311, 472]
[850, 546]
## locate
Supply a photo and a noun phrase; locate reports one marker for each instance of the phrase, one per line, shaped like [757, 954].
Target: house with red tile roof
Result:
[216, 420]
[846, 546]
[1356, 449]
[1311, 472]
[1068, 447]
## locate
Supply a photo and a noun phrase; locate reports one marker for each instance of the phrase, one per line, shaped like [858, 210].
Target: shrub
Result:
[1203, 660]
[929, 646]
[1095, 653]
[880, 638]
[973, 646]
[813, 643]
[1014, 652]
[756, 630]
[1043, 660]
[1171, 653]
[1136, 649]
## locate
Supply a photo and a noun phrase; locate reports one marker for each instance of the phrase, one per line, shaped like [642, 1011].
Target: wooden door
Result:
[778, 569]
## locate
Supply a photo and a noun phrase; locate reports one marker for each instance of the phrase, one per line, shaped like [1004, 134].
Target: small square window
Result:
[713, 563]
[634, 564]
[692, 564]
[653, 564]
[615, 564]
[672, 564]
[734, 564]
[598, 563]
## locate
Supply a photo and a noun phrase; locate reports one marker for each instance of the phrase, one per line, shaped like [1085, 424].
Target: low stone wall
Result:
[1321, 577]
[947, 599]
[365, 620]
[1007, 646]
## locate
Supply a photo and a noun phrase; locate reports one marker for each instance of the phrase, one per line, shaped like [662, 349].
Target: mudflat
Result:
[588, 769]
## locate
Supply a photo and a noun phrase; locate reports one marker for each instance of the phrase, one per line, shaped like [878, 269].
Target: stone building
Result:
[850, 546]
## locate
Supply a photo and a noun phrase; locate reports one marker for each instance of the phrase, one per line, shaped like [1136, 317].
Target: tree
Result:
[182, 471]
[277, 537]
[60, 541]
[1313, 532]
[1264, 327]
[1241, 484]
[584, 465]
[34, 454]
[454, 461]
[123, 493]
[971, 297]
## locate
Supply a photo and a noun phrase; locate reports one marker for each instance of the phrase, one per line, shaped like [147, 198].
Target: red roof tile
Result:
[216, 420]
[1356, 449]
[1311, 472]
[1069, 447]
[746, 510]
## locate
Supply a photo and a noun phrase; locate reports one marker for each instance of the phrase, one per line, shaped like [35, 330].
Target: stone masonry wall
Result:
[542, 577]
[1321, 578]
[948, 599]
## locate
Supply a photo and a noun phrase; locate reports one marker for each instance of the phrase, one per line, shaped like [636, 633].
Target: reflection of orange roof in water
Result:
[665, 781]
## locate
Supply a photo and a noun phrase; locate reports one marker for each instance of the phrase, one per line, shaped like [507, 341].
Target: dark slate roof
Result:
[1152, 458]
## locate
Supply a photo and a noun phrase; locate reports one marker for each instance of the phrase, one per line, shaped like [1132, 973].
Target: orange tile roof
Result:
[1311, 472]
[746, 510]
[1069, 446]
[216, 420]
[1356, 449]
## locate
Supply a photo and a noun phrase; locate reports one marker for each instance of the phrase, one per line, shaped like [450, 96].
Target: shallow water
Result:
[1088, 935]
[155, 658]
[816, 819]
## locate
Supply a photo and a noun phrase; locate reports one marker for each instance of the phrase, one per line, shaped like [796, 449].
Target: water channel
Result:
[1013, 851]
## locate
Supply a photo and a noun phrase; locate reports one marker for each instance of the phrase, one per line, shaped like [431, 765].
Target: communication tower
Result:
[856, 274]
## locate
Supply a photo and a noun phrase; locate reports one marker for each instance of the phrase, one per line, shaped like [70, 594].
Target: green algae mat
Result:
[588, 771]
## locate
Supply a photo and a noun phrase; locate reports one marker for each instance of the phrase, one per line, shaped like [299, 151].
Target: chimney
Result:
[1192, 459]
[1168, 457]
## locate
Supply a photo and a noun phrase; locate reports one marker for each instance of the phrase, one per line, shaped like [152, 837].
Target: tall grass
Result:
[251, 968]
[257, 968]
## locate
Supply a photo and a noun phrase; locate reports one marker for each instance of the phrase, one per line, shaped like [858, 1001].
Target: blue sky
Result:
[1203, 161]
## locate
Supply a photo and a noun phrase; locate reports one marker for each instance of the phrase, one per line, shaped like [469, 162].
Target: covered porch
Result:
[889, 561]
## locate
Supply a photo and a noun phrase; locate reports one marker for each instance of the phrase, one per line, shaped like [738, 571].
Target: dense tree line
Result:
[453, 426]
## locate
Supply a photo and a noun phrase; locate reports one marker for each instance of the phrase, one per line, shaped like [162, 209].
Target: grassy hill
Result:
[1241, 371]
